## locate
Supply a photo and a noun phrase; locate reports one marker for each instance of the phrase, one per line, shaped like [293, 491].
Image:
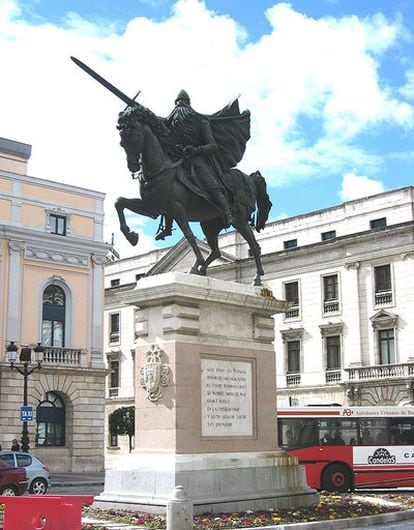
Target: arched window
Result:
[53, 316]
[50, 416]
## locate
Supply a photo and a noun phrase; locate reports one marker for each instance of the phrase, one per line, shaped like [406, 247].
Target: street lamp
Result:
[25, 358]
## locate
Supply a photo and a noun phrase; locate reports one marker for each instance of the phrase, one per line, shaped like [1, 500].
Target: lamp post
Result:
[25, 359]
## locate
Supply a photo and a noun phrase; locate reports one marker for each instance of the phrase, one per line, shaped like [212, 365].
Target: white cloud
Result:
[330, 76]
[356, 187]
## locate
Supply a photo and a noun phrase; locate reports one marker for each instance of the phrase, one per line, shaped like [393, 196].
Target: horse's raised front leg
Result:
[136, 206]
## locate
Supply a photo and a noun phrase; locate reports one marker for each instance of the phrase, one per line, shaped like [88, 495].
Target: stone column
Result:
[205, 401]
[350, 299]
[16, 248]
[97, 312]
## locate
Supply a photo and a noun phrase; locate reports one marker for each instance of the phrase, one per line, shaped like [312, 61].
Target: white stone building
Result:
[349, 274]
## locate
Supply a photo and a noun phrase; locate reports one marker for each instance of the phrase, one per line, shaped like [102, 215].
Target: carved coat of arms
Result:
[154, 374]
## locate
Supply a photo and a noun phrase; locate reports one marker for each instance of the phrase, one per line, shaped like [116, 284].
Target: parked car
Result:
[13, 480]
[37, 472]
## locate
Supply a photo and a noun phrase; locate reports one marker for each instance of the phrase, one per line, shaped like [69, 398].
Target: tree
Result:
[122, 422]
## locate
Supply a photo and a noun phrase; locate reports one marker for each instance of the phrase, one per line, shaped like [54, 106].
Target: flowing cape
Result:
[231, 130]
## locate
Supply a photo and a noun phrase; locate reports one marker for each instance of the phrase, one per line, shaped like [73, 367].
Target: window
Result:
[292, 295]
[333, 352]
[58, 224]
[115, 283]
[383, 286]
[50, 417]
[114, 327]
[378, 223]
[330, 294]
[386, 346]
[113, 440]
[326, 236]
[293, 356]
[291, 243]
[53, 316]
[114, 378]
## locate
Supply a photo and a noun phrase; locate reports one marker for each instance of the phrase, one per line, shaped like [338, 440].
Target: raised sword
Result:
[130, 102]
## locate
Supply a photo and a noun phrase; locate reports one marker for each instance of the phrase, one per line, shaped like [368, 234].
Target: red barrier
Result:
[44, 512]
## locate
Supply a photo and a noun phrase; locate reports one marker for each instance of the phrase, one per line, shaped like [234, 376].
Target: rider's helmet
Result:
[182, 96]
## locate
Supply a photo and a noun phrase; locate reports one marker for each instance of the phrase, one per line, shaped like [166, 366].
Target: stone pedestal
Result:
[205, 401]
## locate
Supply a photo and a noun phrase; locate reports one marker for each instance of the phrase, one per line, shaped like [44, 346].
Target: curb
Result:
[334, 524]
[338, 524]
[76, 484]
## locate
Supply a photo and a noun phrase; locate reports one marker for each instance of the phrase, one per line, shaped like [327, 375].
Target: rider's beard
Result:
[185, 125]
[180, 114]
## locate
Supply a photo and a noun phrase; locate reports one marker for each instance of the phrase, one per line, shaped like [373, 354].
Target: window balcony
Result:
[330, 306]
[383, 298]
[292, 379]
[113, 392]
[114, 337]
[292, 312]
[62, 356]
[333, 376]
[381, 371]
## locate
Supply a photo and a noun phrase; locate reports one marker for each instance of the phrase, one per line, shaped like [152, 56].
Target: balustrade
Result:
[382, 371]
[62, 356]
[292, 379]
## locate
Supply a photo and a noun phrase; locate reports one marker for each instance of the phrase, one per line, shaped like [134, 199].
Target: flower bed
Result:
[330, 506]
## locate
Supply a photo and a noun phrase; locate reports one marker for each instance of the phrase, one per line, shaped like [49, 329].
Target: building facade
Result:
[348, 272]
[52, 255]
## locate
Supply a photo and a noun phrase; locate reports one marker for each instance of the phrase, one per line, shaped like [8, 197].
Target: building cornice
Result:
[343, 246]
[70, 188]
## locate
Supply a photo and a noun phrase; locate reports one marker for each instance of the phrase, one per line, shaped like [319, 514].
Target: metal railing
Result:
[381, 371]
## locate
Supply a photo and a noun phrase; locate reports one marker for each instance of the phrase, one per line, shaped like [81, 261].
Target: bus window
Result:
[293, 433]
[374, 431]
[337, 432]
[402, 431]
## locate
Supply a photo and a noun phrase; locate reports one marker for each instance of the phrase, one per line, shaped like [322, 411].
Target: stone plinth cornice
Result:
[192, 289]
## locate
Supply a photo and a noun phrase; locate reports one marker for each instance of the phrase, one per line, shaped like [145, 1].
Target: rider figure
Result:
[191, 140]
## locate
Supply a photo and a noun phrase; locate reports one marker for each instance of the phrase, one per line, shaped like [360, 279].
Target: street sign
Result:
[26, 413]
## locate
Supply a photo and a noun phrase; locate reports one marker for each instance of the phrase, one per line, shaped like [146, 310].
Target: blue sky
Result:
[329, 83]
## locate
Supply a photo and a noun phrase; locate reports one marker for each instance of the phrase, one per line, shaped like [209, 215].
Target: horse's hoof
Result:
[257, 282]
[132, 238]
[194, 270]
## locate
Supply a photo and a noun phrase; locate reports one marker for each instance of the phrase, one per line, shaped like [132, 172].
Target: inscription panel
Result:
[226, 397]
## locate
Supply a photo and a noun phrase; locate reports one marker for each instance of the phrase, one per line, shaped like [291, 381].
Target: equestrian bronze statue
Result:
[185, 166]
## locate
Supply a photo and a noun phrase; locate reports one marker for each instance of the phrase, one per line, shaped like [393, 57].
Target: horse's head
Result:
[131, 132]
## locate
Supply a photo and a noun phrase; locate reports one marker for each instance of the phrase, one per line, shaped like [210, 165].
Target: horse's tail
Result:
[264, 203]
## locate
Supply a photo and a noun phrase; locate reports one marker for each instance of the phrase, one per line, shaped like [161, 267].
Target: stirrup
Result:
[163, 233]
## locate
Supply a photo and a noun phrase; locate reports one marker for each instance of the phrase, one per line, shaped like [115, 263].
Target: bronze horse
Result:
[166, 190]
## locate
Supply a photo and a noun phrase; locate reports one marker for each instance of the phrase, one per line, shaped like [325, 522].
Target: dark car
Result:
[13, 480]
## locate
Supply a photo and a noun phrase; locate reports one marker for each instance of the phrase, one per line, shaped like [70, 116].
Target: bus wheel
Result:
[337, 477]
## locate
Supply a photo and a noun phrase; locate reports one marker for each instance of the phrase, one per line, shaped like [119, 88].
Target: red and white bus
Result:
[344, 448]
